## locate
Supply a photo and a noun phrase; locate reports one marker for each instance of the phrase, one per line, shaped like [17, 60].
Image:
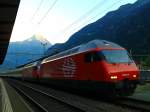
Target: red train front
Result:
[98, 65]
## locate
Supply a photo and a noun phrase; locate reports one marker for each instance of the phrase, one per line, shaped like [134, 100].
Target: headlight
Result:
[134, 76]
[113, 77]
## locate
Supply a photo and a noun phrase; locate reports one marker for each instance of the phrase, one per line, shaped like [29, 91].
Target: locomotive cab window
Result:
[117, 56]
[92, 57]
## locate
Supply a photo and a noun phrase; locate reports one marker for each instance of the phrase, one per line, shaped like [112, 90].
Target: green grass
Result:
[142, 92]
[143, 88]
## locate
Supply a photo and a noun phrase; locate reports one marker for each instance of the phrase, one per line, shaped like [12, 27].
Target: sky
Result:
[57, 20]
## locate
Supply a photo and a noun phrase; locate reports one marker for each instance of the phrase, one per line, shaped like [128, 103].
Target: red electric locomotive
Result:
[98, 65]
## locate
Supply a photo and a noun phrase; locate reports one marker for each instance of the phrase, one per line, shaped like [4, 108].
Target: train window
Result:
[117, 56]
[92, 57]
[88, 57]
[35, 68]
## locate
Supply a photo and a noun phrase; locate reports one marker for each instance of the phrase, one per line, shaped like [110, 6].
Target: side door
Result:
[88, 58]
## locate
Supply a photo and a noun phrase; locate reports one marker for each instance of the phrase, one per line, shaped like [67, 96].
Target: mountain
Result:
[25, 51]
[128, 26]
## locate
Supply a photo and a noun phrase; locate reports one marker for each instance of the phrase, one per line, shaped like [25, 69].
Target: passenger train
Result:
[99, 66]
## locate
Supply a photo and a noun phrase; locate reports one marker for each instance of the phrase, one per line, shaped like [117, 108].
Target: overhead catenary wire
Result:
[103, 11]
[88, 21]
[79, 19]
[38, 8]
[85, 15]
[38, 23]
[50, 8]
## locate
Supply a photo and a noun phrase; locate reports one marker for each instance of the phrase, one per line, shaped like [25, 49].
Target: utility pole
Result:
[44, 44]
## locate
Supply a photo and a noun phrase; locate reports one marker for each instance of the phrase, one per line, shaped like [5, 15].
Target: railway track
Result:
[77, 103]
[143, 106]
[43, 101]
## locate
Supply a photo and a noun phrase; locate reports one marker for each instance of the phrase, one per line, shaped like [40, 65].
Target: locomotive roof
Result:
[98, 44]
[84, 47]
